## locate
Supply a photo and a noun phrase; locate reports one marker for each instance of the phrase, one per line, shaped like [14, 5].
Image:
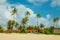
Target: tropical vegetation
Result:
[23, 29]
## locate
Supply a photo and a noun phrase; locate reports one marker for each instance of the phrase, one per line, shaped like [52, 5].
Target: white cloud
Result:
[55, 3]
[58, 23]
[37, 2]
[2, 1]
[6, 15]
[45, 21]
[48, 16]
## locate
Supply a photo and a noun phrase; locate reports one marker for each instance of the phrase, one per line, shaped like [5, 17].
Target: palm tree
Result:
[55, 20]
[24, 21]
[51, 29]
[20, 27]
[11, 24]
[41, 29]
[27, 14]
[14, 11]
[30, 28]
[1, 29]
[41, 25]
[38, 16]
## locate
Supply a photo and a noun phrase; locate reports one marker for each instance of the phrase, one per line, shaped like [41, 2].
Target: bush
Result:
[47, 32]
[1, 31]
[23, 31]
[39, 31]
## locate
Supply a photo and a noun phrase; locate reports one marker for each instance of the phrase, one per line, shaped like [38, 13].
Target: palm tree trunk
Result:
[37, 21]
[56, 24]
[23, 26]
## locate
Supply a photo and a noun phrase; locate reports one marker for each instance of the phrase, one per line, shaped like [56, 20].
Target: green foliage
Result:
[1, 29]
[24, 20]
[38, 15]
[23, 31]
[27, 13]
[30, 27]
[11, 23]
[14, 11]
[49, 30]
[41, 25]
[20, 27]
[55, 19]
[39, 31]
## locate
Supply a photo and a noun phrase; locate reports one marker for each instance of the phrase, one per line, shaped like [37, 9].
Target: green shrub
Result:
[47, 32]
[23, 31]
[39, 31]
[1, 31]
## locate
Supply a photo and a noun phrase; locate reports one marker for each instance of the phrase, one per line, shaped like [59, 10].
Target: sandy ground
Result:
[29, 36]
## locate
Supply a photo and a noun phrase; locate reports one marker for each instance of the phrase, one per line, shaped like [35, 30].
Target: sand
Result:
[29, 36]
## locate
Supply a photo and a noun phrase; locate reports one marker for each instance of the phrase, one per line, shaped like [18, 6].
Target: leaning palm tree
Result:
[14, 12]
[38, 16]
[55, 20]
[27, 14]
[11, 24]
[41, 25]
[24, 21]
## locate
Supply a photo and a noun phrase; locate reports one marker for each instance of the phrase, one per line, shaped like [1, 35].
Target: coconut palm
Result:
[55, 20]
[1, 29]
[11, 24]
[14, 11]
[27, 14]
[41, 29]
[30, 28]
[24, 21]
[20, 27]
[38, 16]
[51, 29]
[41, 25]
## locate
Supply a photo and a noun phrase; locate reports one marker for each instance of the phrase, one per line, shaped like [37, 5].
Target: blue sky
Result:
[48, 9]
[43, 8]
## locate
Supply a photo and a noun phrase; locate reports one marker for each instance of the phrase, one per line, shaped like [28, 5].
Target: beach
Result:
[29, 36]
